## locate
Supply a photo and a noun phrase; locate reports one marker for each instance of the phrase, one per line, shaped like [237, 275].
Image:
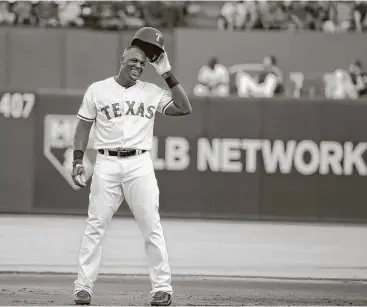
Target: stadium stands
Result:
[327, 16]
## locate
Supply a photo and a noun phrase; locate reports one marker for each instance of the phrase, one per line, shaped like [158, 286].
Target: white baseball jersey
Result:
[124, 117]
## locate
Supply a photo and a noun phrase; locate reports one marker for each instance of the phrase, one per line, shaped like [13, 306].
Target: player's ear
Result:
[122, 56]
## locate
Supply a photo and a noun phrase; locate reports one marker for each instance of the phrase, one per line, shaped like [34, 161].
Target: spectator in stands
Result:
[341, 15]
[358, 77]
[213, 80]
[46, 13]
[6, 16]
[321, 14]
[340, 86]
[109, 20]
[131, 14]
[69, 13]
[268, 83]
[90, 14]
[272, 15]
[237, 15]
[24, 13]
[359, 21]
[176, 13]
[296, 14]
[300, 15]
[155, 14]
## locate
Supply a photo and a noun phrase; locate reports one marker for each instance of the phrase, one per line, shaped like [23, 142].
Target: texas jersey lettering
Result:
[124, 117]
[115, 111]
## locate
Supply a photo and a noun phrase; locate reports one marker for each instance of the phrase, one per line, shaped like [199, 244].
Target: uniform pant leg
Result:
[104, 199]
[142, 195]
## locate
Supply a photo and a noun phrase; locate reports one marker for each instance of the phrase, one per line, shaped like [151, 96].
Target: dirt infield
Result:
[276, 263]
[56, 289]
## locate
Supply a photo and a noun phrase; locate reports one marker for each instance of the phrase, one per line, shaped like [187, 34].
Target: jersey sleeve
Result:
[202, 75]
[88, 110]
[224, 76]
[165, 100]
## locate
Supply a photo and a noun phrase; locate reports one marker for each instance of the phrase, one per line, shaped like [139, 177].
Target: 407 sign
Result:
[16, 105]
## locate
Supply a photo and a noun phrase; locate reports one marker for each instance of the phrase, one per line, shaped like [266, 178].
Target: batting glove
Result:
[78, 173]
[162, 65]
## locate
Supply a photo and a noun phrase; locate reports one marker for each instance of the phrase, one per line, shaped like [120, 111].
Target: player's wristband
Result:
[170, 79]
[78, 155]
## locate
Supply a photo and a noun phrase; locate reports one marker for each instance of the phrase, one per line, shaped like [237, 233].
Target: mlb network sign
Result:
[229, 155]
[306, 157]
[226, 155]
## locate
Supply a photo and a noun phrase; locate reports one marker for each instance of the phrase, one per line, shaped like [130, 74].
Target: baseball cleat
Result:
[161, 298]
[82, 298]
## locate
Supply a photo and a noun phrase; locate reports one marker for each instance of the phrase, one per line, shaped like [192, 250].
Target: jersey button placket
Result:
[122, 106]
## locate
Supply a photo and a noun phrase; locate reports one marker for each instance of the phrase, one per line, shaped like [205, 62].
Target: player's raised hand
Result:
[78, 173]
[162, 65]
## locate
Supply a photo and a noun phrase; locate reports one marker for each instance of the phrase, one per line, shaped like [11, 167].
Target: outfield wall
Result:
[231, 158]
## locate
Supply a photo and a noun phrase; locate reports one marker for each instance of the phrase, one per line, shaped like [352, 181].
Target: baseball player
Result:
[123, 110]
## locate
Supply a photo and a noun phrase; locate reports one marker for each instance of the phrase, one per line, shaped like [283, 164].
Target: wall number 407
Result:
[17, 105]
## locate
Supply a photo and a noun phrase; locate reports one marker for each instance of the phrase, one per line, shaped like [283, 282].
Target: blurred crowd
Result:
[328, 16]
[264, 80]
[267, 80]
[103, 15]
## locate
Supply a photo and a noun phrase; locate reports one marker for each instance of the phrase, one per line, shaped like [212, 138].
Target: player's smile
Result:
[136, 66]
[136, 72]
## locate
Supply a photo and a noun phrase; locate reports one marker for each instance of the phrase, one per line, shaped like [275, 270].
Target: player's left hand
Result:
[162, 65]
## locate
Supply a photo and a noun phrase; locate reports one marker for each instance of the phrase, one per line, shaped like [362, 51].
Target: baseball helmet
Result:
[150, 40]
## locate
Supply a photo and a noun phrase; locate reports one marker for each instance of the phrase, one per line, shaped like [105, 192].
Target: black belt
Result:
[121, 152]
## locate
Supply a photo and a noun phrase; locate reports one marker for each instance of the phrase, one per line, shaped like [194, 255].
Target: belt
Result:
[121, 153]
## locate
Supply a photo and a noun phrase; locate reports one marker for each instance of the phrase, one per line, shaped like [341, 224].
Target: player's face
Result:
[134, 63]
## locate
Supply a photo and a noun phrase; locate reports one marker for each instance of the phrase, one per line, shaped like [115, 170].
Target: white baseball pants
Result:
[114, 179]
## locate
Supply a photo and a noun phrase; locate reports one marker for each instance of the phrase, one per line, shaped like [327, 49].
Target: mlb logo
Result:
[58, 146]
